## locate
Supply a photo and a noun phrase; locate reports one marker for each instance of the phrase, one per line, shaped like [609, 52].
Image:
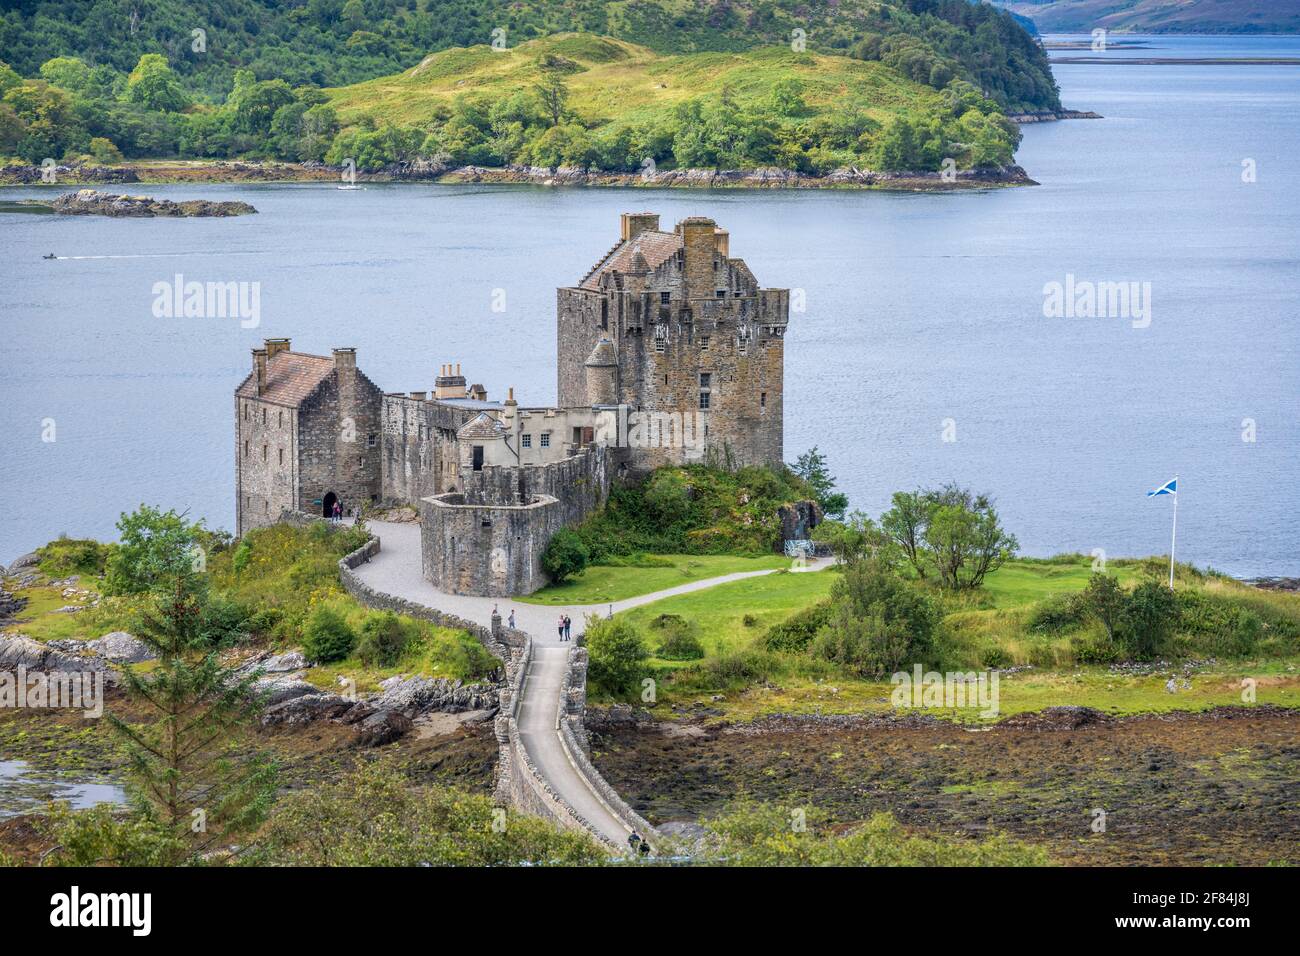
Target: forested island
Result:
[904, 85]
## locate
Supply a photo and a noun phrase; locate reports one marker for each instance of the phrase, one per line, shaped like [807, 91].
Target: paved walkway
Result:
[396, 571]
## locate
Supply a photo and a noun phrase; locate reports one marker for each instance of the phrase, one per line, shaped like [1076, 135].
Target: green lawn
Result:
[1028, 580]
[722, 611]
[601, 584]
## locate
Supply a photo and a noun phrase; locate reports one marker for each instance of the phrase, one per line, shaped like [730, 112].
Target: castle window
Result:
[604, 314]
[281, 419]
[485, 522]
[704, 343]
[546, 439]
[762, 399]
[263, 415]
[659, 344]
[371, 440]
[263, 453]
[281, 456]
[478, 457]
[665, 298]
[245, 411]
[704, 399]
[706, 379]
[528, 441]
[245, 448]
[266, 507]
[721, 293]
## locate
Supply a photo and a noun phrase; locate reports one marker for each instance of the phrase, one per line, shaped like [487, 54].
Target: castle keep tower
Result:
[689, 333]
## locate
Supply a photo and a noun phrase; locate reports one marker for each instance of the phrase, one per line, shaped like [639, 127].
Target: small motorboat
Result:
[50, 256]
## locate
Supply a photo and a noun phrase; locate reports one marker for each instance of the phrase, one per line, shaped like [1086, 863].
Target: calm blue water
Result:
[921, 308]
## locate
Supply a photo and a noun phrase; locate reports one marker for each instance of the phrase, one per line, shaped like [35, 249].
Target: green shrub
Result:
[617, 655]
[796, 632]
[736, 668]
[677, 636]
[382, 640]
[1059, 613]
[326, 636]
[1148, 621]
[66, 556]
[565, 557]
[879, 623]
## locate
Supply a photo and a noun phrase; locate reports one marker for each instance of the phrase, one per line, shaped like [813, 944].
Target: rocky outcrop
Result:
[89, 202]
[121, 648]
[17, 650]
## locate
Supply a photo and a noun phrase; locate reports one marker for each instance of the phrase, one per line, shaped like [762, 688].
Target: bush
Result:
[795, 633]
[326, 636]
[734, 668]
[879, 623]
[565, 556]
[382, 640]
[66, 556]
[1062, 612]
[1148, 621]
[617, 655]
[677, 638]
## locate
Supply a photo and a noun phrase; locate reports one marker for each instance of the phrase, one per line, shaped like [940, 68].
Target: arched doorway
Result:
[327, 506]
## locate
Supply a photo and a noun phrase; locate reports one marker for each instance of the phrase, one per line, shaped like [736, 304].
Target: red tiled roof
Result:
[290, 378]
[657, 247]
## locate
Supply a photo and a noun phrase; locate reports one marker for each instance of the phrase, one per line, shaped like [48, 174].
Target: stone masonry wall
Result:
[338, 443]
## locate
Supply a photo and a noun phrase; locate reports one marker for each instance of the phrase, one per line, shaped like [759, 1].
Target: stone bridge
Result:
[544, 766]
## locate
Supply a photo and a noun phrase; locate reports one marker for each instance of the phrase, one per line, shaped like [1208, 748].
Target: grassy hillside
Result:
[598, 102]
[336, 42]
[1161, 16]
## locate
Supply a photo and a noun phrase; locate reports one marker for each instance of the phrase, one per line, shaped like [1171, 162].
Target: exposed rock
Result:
[306, 709]
[89, 202]
[276, 690]
[414, 695]
[17, 650]
[1057, 718]
[382, 727]
[121, 648]
[285, 663]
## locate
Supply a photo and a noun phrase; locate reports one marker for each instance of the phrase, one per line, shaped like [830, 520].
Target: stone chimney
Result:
[635, 223]
[345, 360]
[723, 242]
[259, 369]
[450, 384]
[699, 246]
[275, 346]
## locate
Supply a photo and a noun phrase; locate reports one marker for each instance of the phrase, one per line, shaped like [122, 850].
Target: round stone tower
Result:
[602, 374]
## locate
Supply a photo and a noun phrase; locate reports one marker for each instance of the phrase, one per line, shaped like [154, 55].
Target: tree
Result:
[565, 557]
[878, 622]
[153, 85]
[950, 532]
[155, 547]
[811, 467]
[188, 781]
[787, 97]
[857, 538]
[1105, 600]
[104, 151]
[554, 96]
[617, 655]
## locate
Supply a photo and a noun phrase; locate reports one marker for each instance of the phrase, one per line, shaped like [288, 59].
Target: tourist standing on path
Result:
[512, 619]
[338, 513]
[560, 626]
[567, 625]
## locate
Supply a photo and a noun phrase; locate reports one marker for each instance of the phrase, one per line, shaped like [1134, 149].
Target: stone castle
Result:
[668, 353]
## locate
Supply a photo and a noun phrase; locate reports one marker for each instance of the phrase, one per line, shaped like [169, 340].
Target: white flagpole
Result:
[1174, 538]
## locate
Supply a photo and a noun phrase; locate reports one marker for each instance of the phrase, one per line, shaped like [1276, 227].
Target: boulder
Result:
[382, 727]
[285, 663]
[121, 648]
[276, 690]
[306, 709]
[17, 650]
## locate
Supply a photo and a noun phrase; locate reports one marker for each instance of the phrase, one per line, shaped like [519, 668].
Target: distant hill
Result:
[1160, 16]
[336, 42]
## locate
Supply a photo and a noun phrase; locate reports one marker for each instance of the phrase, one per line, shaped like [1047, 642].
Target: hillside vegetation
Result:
[1161, 16]
[337, 42]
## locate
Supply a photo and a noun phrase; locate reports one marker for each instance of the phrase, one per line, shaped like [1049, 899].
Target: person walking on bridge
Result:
[567, 625]
[559, 624]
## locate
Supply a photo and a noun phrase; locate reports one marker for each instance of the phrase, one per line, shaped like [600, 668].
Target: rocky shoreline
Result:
[434, 171]
[89, 202]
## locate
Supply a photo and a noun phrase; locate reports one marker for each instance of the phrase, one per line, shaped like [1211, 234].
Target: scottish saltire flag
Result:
[1168, 488]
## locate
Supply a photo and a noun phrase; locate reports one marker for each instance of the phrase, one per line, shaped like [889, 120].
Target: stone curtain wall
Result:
[420, 453]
